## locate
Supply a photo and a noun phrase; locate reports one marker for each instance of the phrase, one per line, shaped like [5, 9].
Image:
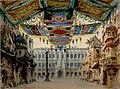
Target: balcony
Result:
[109, 43]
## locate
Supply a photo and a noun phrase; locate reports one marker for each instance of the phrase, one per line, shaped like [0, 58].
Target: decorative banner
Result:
[77, 30]
[58, 3]
[59, 31]
[105, 1]
[38, 19]
[33, 30]
[57, 40]
[9, 3]
[58, 19]
[51, 13]
[92, 10]
[23, 12]
[85, 29]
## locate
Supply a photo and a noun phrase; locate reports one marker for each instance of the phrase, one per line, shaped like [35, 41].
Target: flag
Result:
[76, 41]
[80, 39]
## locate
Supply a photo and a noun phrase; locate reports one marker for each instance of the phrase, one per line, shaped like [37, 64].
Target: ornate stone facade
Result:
[13, 50]
[62, 63]
[94, 59]
[111, 50]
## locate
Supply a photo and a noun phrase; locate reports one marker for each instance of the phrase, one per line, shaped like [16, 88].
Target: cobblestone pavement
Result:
[74, 83]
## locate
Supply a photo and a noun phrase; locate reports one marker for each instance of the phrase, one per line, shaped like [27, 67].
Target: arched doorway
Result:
[43, 74]
[75, 74]
[60, 73]
[71, 74]
[52, 74]
[67, 74]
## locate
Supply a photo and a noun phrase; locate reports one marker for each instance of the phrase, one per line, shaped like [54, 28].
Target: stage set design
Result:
[57, 20]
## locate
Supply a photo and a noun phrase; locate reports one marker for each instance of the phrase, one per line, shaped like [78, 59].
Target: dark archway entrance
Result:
[67, 74]
[75, 74]
[52, 74]
[60, 73]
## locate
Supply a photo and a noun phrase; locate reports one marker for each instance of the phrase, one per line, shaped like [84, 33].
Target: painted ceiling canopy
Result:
[57, 18]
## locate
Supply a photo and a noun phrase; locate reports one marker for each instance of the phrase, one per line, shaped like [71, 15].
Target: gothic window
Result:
[39, 55]
[50, 56]
[57, 55]
[71, 56]
[53, 64]
[75, 65]
[82, 55]
[35, 55]
[62, 55]
[43, 55]
[79, 64]
[43, 65]
[67, 64]
[67, 55]
[71, 64]
[85, 55]
[50, 65]
[53, 55]
[39, 64]
[75, 55]
[78, 55]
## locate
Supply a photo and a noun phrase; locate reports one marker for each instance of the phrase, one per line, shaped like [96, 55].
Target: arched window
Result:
[71, 56]
[39, 55]
[75, 55]
[43, 55]
[78, 55]
[82, 55]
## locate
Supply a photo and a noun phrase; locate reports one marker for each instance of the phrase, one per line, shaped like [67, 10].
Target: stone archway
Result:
[67, 74]
[52, 74]
[39, 75]
[60, 73]
[43, 74]
[71, 74]
[75, 74]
